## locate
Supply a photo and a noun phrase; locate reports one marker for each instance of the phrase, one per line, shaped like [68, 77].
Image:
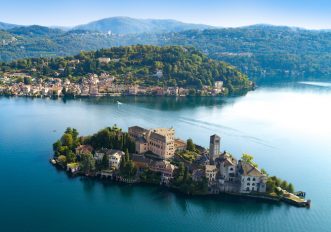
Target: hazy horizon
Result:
[303, 14]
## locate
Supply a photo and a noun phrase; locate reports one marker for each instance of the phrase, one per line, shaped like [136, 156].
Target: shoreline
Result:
[116, 180]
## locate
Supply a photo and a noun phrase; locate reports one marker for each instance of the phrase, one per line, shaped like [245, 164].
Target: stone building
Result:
[159, 141]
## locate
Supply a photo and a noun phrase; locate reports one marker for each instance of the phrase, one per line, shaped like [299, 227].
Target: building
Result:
[214, 147]
[160, 141]
[165, 168]
[114, 156]
[115, 159]
[251, 179]
[84, 149]
[104, 60]
[180, 145]
[141, 162]
[228, 168]
[210, 173]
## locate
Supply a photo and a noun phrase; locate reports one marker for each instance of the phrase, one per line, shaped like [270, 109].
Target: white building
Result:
[115, 157]
[251, 179]
[104, 60]
[228, 168]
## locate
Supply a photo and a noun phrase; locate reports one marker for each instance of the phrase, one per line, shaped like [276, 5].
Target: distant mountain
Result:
[126, 25]
[35, 30]
[6, 26]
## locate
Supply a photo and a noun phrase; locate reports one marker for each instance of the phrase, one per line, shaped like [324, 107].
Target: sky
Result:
[310, 14]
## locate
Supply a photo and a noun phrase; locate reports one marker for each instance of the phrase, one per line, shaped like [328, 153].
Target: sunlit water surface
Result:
[286, 128]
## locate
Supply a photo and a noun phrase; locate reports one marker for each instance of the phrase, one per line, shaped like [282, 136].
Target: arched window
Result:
[248, 178]
[253, 179]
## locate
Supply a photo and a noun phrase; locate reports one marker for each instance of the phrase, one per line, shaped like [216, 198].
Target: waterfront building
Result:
[160, 141]
[228, 167]
[251, 178]
[210, 173]
[114, 156]
[214, 147]
[165, 168]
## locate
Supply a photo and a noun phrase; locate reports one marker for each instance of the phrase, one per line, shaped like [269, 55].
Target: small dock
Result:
[296, 200]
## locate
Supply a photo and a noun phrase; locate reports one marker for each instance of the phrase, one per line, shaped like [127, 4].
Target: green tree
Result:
[190, 145]
[87, 163]
[248, 159]
[71, 157]
[290, 188]
[62, 160]
[105, 162]
[67, 140]
[27, 80]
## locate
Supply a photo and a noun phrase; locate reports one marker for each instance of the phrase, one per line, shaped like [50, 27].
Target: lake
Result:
[286, 128]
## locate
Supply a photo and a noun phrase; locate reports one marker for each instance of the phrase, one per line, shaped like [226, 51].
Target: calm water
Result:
[286, 128]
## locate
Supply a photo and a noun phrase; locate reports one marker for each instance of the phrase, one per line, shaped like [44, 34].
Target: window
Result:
[254, 179]
[247, 189]
[248, 178]
[248, 184]
[253, 184]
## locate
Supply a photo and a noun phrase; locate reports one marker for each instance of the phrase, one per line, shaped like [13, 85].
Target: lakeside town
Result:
[22, 84]
[156, 156]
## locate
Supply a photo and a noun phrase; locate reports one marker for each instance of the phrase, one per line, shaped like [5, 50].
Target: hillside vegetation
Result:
[180, 66]
[262, 52]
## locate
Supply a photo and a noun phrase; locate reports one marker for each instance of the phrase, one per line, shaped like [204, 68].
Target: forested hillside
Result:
[177, 66]
[262, 52]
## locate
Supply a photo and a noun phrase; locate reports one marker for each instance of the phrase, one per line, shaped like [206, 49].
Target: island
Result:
[156, 156]
[131, 70]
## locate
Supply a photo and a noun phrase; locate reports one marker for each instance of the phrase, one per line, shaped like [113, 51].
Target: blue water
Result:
[286, 128]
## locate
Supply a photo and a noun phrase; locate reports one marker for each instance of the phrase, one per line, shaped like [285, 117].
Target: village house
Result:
[73, 167]
[180, 145]
[252, 179]
[165, 168]
[210, 173]
[228, 168]
[84, 149]
[114, 156]
[104, 60]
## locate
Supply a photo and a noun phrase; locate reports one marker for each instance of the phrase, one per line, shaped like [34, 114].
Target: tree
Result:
[27, 80]
[67, 140]
[248, 159]
[290, 188]
[284, 185]
[105, 162]
[71, 157]
[87, 163]
[263, 171]
[190, 146]
[56, 147]
[62, 160]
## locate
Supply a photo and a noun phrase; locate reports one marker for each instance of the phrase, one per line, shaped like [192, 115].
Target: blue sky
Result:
[313, 14]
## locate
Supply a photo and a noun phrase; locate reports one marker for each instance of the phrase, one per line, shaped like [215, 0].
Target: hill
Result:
[126, 25]
[142, 65]
[6, 26]
[263, 52]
